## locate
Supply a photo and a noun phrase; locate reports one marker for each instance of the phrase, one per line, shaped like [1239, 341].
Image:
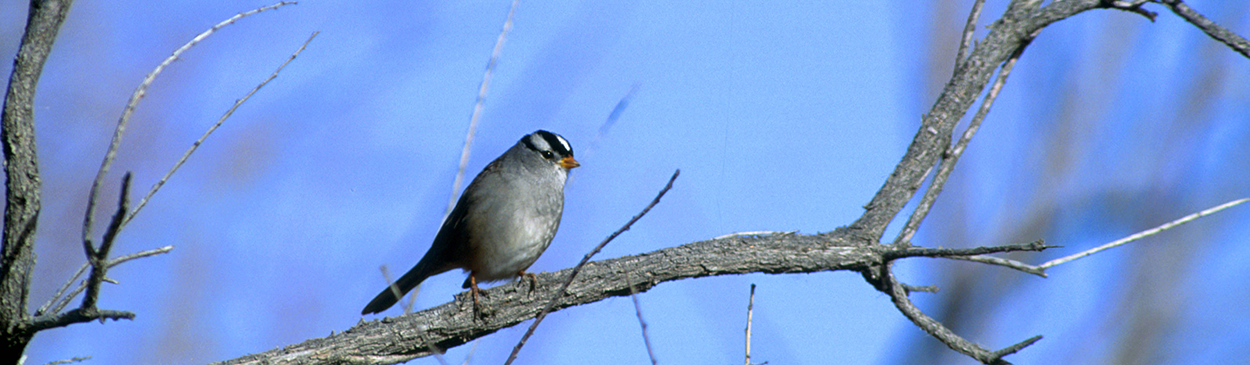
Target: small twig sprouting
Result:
[478, 106]
[750, 314]
[573, 274]
[646, 340]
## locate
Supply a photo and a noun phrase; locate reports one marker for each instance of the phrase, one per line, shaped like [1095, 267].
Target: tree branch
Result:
[220, 121]
[454, 323]
[122, 121]
[952, 155]
[21, 168]
[23, 189]
[478, 106]
[1007, 34]
[1219, 33]
[899, 295]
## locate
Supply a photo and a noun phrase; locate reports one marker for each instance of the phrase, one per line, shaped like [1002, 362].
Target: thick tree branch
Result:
[21, 169]
[395, 339]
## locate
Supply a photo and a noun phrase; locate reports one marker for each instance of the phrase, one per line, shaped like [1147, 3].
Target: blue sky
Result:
[781, 117]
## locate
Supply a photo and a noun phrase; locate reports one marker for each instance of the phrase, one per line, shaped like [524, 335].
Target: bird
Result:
[502, 222]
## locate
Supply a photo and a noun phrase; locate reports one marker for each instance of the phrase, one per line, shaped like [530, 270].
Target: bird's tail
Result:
[388, 297]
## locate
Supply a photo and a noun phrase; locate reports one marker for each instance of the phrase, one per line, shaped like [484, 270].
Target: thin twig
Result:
[478, 106]
[573, 274]
[434, 350]
[610, 121]
[140, 254]
[1008, 263]
[68, 298]
[1142, 234]
[750, 313]
[923, 289]
[752, 233]
[229, 112]
[44, 308]
[951, 156]
[468, 358]
[646, 340]
[1219, 33]
[130, 108]
[970, 29]
[71, 360]
[1040, 270]
[64, 301]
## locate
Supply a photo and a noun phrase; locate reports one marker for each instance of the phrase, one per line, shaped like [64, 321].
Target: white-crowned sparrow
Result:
[504, 220]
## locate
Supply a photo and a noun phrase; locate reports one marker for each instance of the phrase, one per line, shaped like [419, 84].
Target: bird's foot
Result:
[479, 310]
[533, 279]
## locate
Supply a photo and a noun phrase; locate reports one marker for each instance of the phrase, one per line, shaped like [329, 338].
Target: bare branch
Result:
[750, 314]
[1040, 270]
[970, 29]
[610, 121]
[1142, 234]
[454, 323]
[99, 257]
[140, 254]
[952, 155]
[904, 252]
[1005, 37]
[79, 315]
[134, 103]
[83, 285]
[573, 274]
[853, 248]
[646, 340]
[1008, 263]
[1219, 33]
[44, 308]
[69, 361]
[237, 103]
[22, 183]
[899, 294]
[478, 106]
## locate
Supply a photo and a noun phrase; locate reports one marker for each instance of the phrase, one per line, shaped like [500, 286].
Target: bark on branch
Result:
[396, 339]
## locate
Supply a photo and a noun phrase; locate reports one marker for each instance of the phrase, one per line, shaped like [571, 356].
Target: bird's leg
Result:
[473, 290]
[533, 279]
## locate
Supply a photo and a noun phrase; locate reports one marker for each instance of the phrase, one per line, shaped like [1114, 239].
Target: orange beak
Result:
[569, 162]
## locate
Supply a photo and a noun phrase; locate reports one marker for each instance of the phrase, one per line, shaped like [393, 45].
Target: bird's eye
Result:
[548, 155]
